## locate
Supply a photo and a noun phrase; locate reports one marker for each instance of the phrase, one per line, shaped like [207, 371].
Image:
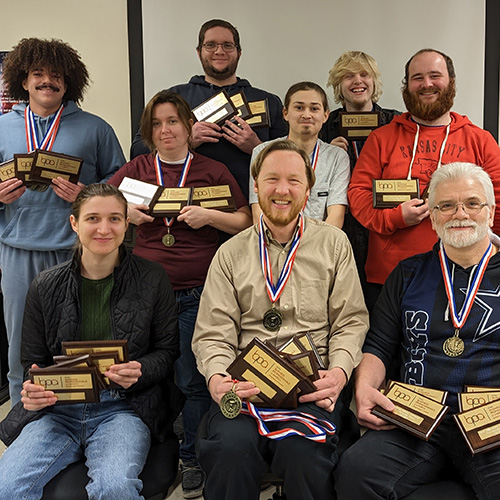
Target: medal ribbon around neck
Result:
[314, 162]
[32, 130]
[319, 428]
[460, 317]
[274, 292]
[182, 181]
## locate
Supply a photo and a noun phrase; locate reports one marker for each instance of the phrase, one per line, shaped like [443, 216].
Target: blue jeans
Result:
[113, 438]
[19, 268]
[188, 378]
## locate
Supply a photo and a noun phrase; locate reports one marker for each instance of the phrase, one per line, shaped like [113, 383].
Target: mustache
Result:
[460, 223]
[48, 86]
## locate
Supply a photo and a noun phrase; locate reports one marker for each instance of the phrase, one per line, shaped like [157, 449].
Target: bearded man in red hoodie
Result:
[411, 148]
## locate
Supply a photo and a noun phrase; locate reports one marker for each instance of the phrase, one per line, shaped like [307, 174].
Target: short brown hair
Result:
[54, 54]
[283, 145]
[214, 23]
[162, 97]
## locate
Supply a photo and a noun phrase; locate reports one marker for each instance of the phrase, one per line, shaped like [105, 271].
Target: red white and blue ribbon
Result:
[32, 130]
[318, 428]
[274, 292]
[182, 180]
[460, 317]
[314, 162]
[357, 146]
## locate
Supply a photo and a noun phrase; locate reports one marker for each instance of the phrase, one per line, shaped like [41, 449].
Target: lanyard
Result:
[459, 318]
[314, 162]
[182, 180]
[274, 292]
[318, 428]
[32, 130]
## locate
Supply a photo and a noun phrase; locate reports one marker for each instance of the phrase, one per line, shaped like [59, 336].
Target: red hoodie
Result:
[387, 154]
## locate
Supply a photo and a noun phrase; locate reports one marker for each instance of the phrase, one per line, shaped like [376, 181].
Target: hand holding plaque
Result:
[214, 197]
[48, 165]
[414, 412]
[358, 125]
[389, 193]
[139, 192]
[217, 109]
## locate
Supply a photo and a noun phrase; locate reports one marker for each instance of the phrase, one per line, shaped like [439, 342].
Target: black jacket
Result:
[143, 312]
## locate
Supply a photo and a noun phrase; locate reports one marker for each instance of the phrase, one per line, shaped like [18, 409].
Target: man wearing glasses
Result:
[411, 148]
[232, 143]
[438, 322]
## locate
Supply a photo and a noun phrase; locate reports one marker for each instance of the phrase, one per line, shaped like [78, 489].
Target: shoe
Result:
[193, 480]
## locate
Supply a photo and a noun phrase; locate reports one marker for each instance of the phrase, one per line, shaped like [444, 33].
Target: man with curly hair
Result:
[50, 79]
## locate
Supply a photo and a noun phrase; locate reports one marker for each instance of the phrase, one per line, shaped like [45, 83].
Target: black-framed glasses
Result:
[471, 207]
[226, 46]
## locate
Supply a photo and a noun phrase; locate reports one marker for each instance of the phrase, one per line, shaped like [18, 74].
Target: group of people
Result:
[188, 305]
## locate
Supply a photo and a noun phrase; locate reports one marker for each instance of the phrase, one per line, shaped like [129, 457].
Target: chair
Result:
[158, 475]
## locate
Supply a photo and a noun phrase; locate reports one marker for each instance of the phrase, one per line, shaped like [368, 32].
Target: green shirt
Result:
[96, 314]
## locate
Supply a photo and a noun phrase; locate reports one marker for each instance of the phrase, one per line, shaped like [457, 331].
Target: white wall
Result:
[97, 29]
[286, 41]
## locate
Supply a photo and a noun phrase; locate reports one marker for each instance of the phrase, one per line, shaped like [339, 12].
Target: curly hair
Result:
[53, 54]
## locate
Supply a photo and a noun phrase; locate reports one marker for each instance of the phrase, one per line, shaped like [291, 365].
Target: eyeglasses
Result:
[471, 207]
[212, 46]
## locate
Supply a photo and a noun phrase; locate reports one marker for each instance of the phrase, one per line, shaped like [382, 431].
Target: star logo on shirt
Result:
[489, 301]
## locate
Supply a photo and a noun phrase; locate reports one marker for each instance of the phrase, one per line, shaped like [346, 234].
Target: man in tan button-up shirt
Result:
[321, 295]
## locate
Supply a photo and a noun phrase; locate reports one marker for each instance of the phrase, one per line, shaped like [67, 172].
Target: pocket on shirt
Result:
[314, 300]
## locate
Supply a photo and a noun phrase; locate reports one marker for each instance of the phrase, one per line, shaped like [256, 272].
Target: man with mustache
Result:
[219, 51]
[413, 146]
[317, 291]
[435, 325]
[50, 79]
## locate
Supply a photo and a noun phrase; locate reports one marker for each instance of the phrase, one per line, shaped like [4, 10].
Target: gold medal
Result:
[168, 240]
[230, 404]
[454, 346]
[272, 320]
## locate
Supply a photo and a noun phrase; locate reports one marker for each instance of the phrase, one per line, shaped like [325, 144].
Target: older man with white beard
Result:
[438, 320]
[413, 146]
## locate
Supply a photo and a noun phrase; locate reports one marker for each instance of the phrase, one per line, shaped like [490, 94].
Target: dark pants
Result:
[187, 376]
[235, 458]
[392, 464]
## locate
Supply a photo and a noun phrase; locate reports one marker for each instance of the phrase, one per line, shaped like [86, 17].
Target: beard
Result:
[463, 239]
[219, 74]
[275, 216]
[430, 111]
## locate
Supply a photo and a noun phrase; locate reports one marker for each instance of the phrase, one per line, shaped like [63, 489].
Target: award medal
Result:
[168, 239]
[47, 141]
[454, 346]
[230, 404]
[273, 319]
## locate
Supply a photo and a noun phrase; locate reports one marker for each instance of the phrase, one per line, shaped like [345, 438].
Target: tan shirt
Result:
[323, 296]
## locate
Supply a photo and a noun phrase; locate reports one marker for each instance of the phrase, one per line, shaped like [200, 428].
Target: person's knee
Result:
[123, 488]
[350, 471]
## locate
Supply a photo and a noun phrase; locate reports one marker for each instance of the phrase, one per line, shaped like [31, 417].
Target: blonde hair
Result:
[354, 61]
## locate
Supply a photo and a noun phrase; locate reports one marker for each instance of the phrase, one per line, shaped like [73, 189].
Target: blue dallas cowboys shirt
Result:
[409, 325]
